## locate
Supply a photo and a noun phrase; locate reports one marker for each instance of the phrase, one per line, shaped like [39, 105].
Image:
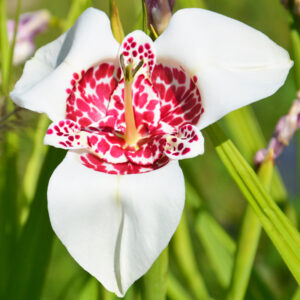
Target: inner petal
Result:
[188, 142]
[137, 47]
[180, 98]
[66, 134]
[90, 92]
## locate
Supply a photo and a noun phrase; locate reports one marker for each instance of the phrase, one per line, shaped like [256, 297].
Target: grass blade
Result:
[280, 230]
[248, 240]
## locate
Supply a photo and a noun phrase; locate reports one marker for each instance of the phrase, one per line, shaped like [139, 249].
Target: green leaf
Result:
[32, 252]
[154, 283]
[280, 230]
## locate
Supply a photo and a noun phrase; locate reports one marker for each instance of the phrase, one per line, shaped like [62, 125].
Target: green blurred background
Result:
[219, 195]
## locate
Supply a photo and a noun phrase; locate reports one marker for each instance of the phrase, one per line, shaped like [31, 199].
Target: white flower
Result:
[134, 109]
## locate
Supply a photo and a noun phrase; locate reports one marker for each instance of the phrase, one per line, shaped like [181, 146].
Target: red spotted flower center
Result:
[132, 116]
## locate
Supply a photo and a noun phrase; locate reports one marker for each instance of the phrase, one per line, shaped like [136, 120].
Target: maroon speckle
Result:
[141, 49]
[185, 151]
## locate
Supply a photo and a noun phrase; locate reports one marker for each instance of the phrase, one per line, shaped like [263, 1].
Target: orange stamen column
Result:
[131, 135]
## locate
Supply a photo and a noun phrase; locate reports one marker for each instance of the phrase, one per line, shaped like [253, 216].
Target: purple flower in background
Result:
[30, 25]
[284, 131]
[159, 13]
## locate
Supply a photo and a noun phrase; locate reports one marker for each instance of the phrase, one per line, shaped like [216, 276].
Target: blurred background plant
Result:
[219, 250]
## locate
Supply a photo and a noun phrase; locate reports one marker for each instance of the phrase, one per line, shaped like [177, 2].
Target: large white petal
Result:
[115, 226]
[235, 64]
[48, 74]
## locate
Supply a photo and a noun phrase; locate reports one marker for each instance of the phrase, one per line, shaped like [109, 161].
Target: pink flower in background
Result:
[283, 134]
[127, 113]
[30, 25]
